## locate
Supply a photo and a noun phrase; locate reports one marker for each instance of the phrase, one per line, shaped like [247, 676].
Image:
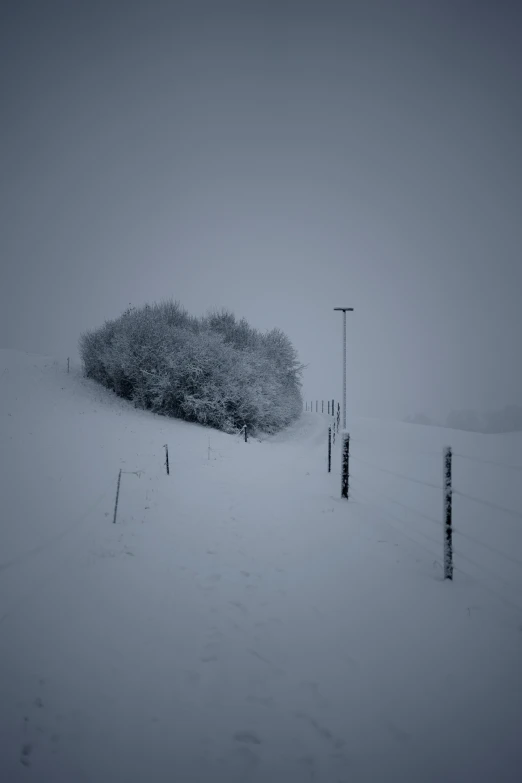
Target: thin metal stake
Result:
[117, 497]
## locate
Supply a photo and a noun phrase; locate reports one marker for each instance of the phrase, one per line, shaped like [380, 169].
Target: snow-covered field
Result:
[240, 622]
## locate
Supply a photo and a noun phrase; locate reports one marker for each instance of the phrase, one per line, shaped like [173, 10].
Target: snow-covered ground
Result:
[240, 622]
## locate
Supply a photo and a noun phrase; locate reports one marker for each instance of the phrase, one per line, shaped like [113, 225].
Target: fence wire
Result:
[374, 497]
[489, 504]
[397, 475]
[487, 461]
[487, 546]
[386, 513]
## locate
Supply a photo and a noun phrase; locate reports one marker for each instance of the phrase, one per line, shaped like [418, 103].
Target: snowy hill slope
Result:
[240, 622]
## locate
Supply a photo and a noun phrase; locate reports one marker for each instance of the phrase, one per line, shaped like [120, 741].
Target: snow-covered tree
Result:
[214, 370]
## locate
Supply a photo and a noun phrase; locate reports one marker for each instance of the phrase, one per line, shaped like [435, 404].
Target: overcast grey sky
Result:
[279, 159]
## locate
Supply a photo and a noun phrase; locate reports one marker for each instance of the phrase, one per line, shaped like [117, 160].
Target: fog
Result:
[279, 159]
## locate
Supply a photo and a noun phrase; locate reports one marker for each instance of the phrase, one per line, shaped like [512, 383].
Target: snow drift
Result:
[240, 623]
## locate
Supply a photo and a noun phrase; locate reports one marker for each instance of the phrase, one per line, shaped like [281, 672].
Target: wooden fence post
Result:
[345, 472]
[167, 458]
[448, 532]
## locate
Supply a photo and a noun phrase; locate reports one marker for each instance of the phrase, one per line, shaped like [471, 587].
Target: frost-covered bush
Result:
[214, 370]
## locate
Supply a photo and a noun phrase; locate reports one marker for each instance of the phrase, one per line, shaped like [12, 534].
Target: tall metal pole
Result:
[344, 311]
[344, 369]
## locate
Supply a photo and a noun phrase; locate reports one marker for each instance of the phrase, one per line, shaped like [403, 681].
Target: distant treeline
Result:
[214, 370]
[507, 419]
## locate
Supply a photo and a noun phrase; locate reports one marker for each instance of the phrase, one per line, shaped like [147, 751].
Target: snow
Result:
[240, 622]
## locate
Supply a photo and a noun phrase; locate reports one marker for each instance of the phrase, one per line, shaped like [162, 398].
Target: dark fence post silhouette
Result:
[328, 407]
[448, 537]
[338, 415]
[167, 458]
[332, 407]
[345, 472]
[322, 406]
[329, 449]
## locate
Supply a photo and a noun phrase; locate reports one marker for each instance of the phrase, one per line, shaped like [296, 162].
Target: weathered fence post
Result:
[338, 415]
[329, 449]
[246, 436]
[332, 407]
[167, 458]
[345, 474]
[117, 497]
[328, 407]
[448, 538]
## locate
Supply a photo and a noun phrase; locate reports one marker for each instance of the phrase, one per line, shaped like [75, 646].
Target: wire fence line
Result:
[506, 465]
[386, 516]
[413, 519]
[489, 504]
[399, 519]
[485, 586]
[398, 475]
[412, 449]
[387, 449]
[488, 546]
[389, 518]
[364, 491]
[438, 523]
[428, 518]
[492, 574]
